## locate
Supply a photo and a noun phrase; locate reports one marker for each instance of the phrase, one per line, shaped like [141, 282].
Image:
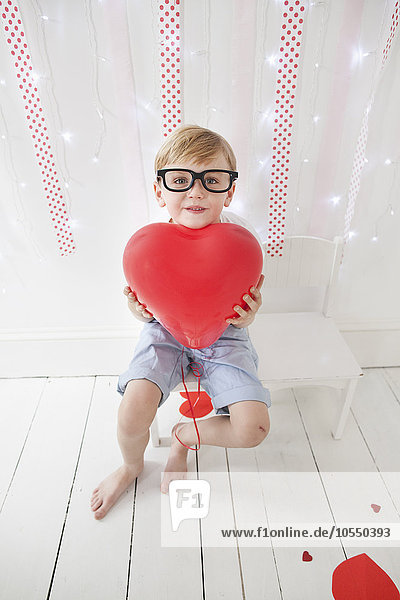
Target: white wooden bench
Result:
[294, 333]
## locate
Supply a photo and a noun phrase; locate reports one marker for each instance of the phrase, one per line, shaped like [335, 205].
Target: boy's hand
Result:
[138, 310]
[247, 316]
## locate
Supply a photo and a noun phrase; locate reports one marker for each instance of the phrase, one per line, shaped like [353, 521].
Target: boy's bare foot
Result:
[109, 490]
[176, 466]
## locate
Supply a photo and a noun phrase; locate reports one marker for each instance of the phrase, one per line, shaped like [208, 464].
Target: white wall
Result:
[68, 315]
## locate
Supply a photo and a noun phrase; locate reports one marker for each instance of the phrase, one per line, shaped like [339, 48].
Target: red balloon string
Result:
[198, 370]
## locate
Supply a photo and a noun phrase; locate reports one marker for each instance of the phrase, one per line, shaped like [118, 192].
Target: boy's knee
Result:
[138, 407]
[252, 435]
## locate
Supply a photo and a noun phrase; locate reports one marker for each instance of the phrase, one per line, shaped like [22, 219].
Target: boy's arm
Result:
[138, 310]
[247, 316]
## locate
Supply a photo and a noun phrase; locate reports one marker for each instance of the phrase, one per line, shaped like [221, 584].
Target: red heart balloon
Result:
[190, 279]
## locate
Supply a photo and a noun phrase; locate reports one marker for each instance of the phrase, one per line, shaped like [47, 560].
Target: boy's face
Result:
[197, 207]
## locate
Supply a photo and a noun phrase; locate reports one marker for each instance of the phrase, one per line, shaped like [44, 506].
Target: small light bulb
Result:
[351, 234]
[365, 159]
[317, 65]
[45, 17]
[67, 136]
[388, 161]
[95, 159]
[306, 160]
[335, 200]
[375, 238]
[298, 208]
[2, 82]
[316, 118]
[358, 56]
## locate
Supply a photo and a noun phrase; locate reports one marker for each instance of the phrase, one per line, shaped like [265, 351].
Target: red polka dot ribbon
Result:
[12, 25]
[169, 25]
[288, 63]
[392, 33]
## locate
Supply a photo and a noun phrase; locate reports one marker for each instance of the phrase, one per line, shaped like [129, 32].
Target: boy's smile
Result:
[196, 207]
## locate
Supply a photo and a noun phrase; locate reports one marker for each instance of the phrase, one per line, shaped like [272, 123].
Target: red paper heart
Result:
[360, 578]
[190, 279]
[306, 556]
[201, 408]
[376, 508]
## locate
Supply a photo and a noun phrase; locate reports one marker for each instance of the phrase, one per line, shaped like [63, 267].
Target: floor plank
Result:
[19, 399]
[157, 571]
[87, 567]
[32, 518]
[258, 563]
[225, 582]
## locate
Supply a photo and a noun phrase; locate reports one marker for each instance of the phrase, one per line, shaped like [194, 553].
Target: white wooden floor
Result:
[57, 441]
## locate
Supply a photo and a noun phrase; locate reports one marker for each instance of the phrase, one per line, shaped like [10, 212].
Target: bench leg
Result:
[347, 398]
[154, 434]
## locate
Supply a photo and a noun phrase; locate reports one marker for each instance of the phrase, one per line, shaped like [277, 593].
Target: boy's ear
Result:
[158, 193]
[229, 195]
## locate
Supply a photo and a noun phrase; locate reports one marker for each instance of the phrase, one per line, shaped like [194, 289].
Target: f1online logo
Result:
[188, 499]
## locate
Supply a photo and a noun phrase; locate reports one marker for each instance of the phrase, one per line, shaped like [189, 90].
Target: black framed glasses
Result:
[181, 180]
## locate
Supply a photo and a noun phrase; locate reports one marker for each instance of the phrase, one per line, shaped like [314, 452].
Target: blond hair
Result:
[193, 143]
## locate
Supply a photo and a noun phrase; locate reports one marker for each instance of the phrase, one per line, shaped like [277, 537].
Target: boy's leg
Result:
[135, 415]
[246, 427]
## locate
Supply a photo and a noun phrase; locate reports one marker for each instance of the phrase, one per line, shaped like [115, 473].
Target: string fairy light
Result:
[308, 138]
[260, 114]
[19, 208]
[359, 155]
[100, 109]
[359, 55]
[389, 206]
[36, 122]
[200, 63]
[207, 63]
[54, 107]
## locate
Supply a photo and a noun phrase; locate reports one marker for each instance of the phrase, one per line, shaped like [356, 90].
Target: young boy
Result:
[194, 200]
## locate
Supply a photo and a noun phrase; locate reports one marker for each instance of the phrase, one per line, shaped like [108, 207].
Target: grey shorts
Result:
[230, 366]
